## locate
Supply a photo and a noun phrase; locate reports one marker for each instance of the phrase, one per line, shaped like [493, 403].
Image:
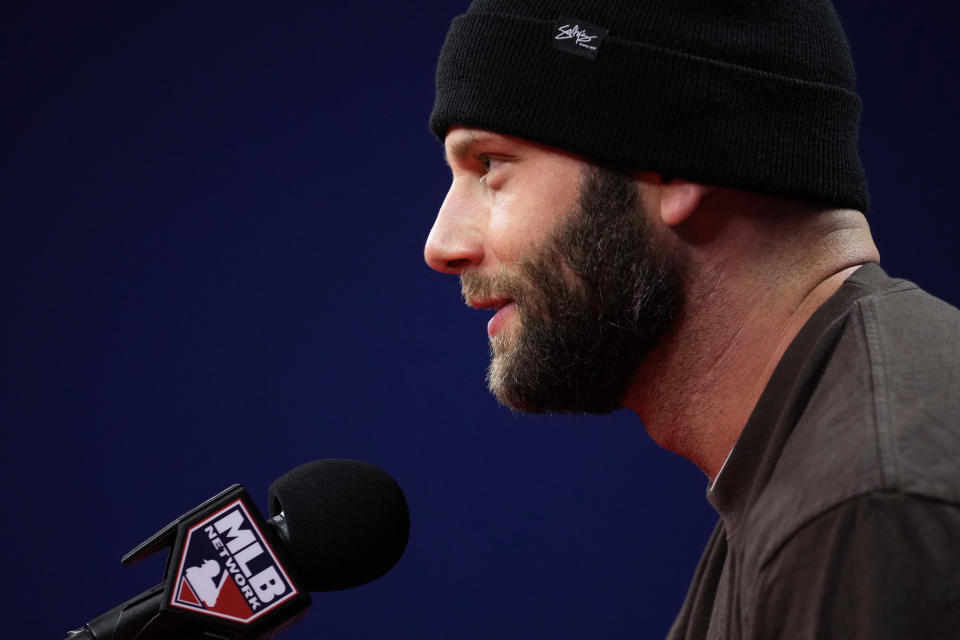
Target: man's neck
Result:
[696, 391]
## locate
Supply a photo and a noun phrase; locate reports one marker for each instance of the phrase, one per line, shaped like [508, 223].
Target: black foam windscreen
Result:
[347, 522]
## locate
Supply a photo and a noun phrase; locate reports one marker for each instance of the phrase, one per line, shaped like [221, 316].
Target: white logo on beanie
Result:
[566, 32]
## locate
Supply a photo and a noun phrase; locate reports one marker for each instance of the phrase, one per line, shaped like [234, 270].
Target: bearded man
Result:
[664, 204]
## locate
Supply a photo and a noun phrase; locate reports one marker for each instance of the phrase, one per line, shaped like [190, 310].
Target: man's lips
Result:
[500, 318]
[488, 303]
[505, 308]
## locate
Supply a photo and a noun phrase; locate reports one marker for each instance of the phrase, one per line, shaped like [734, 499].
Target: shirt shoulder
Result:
[884, 415]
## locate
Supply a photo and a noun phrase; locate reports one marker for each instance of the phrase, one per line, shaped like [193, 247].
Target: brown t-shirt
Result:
[840, 503]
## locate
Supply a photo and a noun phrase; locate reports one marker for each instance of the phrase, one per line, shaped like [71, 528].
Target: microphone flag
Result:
[227, 575]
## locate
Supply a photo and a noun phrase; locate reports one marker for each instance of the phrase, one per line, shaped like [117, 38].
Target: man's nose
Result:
[456, 239]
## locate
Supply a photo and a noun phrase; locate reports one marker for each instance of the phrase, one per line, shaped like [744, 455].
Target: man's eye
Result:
[488, 163]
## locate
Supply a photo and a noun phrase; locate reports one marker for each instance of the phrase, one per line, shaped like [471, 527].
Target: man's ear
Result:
[679, 199]
[674, 199]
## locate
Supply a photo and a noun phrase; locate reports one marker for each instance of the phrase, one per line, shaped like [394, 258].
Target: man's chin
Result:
[501, 357]
[518, 389]
[502, 374]
[520, 385]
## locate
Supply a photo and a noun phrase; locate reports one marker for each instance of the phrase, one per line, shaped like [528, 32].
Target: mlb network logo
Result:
[228, 570]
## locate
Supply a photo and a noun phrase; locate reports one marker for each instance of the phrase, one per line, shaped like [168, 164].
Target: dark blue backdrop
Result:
[212, 225]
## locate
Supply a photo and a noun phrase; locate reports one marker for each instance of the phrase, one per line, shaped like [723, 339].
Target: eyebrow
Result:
[462, 147]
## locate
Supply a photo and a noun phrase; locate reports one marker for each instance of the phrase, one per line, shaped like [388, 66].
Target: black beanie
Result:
[751, 94]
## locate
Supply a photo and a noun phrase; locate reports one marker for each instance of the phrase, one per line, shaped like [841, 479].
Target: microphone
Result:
[231, 575]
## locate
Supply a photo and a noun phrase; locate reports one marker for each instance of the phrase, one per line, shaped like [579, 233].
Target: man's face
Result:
[562, 250]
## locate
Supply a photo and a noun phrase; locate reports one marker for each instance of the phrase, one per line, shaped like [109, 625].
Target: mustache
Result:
[502, 284]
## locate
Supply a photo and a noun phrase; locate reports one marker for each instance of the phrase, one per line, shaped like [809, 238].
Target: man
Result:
[663, 203]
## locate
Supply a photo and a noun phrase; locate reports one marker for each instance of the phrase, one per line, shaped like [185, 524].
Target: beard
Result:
[592, 304]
